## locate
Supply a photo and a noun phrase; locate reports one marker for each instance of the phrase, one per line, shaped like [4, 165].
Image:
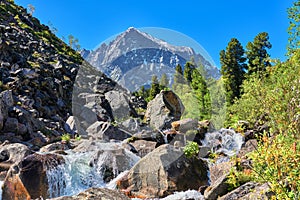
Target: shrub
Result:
[66, 137]
[191, 150]
[277, 161]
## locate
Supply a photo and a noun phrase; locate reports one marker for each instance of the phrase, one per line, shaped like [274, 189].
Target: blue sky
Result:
[212, 23]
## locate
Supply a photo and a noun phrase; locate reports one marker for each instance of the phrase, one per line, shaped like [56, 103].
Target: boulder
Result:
[184, 125]
[11, 125]
[164, 109]
[219, 170]
[219, 188]
[96, 193]
[57, 146]
[29, 177]
[162, 172]
[106, 131]
[132, 125]
[143, 147]
[249, 191]
[120, 105]
[12, 153]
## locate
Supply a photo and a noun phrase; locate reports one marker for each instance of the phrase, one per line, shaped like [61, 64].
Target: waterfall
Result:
[85, 170]
[225, 141]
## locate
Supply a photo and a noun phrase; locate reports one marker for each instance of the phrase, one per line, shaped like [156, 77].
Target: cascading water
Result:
[225, 141]
[84, 170]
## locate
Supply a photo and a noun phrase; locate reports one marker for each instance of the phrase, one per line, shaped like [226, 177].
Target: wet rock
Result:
[29, 176]
[96, 193]
[163, 110]
[162, 172]
[204, 151]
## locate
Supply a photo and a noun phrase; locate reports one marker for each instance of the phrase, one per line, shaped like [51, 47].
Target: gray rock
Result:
[11, 125]
[132, 125]
[12, 153]
[105, 131]
[143, 147]
[204, 151]
[7, 98]
[119, 104]
[249, 191]
[57, 146]
[218, 189]
[162, 172]
[185, 125]
[163, 110]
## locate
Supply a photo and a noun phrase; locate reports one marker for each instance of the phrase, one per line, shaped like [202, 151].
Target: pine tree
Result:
[155, 89]
[188, 70]
[294, 27]
[233, 69]
[258, 57]
[178, 76]
[202, 94]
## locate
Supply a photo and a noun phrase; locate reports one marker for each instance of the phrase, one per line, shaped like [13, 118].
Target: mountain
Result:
[134, 56]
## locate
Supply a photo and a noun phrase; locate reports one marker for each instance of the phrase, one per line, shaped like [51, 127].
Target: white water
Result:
[225, 141]
[81, 171]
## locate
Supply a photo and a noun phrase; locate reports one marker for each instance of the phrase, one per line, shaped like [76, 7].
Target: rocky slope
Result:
[36, 77]
[43, 81]
[134, 56]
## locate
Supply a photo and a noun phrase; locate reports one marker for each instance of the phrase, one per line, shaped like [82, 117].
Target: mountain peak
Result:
[131, 28]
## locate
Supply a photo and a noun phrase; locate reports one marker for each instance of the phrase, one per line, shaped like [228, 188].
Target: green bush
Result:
[66, 137]
[191, 150]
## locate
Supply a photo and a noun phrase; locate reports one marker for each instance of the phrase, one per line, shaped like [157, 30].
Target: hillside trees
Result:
[233, 69]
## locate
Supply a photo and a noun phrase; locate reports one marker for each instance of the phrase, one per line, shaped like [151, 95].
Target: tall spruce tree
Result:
[188, 70]
[202, 94]
[178, 76]
[233, 69]
[294, 27]
[258, 57]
